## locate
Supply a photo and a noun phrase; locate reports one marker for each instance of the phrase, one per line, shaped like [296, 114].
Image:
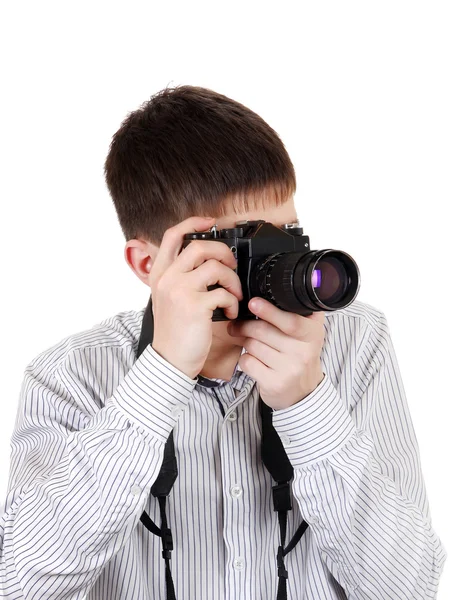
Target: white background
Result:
[373, 101]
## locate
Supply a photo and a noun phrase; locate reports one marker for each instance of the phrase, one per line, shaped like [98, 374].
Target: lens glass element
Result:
[329, 279]
[316, 276]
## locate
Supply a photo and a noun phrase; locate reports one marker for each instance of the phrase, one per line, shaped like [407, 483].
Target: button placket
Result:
[233, 498]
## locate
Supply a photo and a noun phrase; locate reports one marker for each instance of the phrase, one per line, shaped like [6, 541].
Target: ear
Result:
[139, 256]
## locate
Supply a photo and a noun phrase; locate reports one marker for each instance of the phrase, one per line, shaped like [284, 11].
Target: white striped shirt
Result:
[88, 444]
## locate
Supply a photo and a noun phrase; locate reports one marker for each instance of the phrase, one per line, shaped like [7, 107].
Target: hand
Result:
[182, 305]
[282, 352]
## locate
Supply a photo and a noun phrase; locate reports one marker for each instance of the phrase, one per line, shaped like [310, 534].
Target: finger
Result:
[318, 316]
[267, 355]
[198, 251]
[220, 298]
[292, 324]
[264, 332]
[213, 272]
[255, 368]
[172, 241]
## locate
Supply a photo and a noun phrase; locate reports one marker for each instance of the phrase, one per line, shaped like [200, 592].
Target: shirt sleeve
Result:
[358, 479]
[78, 483]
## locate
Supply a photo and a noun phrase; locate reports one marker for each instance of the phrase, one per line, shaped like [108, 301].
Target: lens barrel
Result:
[318, 280]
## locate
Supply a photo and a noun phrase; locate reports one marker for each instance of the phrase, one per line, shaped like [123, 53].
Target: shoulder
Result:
[357, 340]
[359, 316]
[87, 365]
[120, 331]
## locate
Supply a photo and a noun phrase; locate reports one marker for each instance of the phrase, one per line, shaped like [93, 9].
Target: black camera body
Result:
[276, 263]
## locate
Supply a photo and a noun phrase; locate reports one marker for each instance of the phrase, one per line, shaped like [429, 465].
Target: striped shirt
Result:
[88, 444]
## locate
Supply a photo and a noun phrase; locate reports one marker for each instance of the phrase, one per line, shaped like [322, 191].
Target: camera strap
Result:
[274, 458]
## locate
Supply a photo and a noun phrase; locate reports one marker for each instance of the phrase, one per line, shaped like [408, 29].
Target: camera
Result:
[276, 263]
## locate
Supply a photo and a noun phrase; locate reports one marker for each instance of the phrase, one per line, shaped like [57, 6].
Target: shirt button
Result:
[136, 490]
[313, 519]
[285, 440]
[236, 491]
[232, 416]
[238, 563]
[176, 411]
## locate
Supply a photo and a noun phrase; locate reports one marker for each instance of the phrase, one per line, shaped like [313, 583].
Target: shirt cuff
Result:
[314, 427]
[153, 393]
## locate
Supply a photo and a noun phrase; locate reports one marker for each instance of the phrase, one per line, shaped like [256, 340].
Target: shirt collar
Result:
[237, 380]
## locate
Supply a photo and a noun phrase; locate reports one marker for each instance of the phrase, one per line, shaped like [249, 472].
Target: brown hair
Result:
[188, 151]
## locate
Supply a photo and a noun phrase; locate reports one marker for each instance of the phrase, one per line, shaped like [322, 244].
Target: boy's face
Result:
[140, 254]
[277, 215]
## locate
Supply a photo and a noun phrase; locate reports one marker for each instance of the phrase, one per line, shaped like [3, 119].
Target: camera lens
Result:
[304, 282]
[329, 280]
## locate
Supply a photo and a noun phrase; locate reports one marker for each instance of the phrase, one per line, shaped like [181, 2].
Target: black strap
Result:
[274, 458]
[161, 488]
[165, 534]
